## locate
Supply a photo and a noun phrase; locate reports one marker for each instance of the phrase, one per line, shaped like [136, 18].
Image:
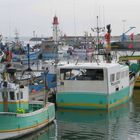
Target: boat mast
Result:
[98, 30]
[46, 86]
[108, 46]
[16, 37]
[29, 68]
[5, 97]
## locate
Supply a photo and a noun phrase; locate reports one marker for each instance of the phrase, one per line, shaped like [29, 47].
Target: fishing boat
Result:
[83, 53]
[37, 84]
[93, 85]
[19, 115]
[125, 45]
[24, 57]
[126, 42]
[102, 84]
[134, 65]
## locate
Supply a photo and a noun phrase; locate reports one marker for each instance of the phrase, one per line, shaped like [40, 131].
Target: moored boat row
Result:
[98, 84]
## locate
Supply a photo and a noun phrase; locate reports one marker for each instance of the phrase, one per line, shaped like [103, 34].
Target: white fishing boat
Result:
[19, 115]
[93, 85]
[101, 84]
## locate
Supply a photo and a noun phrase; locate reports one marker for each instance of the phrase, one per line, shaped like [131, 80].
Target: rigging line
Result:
[104, 17]
[74, 12]
[99, 15]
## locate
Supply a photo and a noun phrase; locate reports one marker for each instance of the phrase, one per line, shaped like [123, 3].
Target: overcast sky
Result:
[75, 16]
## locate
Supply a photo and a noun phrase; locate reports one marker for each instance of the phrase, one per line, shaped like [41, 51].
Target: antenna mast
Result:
[98, 30]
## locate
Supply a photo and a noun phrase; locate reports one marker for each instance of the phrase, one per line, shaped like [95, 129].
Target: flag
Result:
[132, 36]
[130, 46]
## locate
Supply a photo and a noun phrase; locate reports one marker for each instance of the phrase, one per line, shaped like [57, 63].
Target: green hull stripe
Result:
[19, 129]
[92, 100]
[103, 106]
[19, 122]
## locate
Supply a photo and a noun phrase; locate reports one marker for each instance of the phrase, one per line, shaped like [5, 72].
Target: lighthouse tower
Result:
[55, 23]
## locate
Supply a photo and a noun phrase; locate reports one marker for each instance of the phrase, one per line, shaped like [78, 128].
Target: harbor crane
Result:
[123, 36]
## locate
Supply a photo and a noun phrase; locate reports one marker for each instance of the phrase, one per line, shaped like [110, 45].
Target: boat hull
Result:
[125, 45]
[16, 125]
[88, 100]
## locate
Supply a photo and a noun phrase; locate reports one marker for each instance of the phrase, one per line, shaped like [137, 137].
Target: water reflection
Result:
[121, 123]
[98, 125]
[47, 133]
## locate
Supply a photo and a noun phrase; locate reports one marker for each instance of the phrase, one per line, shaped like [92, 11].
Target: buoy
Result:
[33, 91]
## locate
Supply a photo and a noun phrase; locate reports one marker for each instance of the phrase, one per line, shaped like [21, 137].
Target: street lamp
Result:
[123, 25]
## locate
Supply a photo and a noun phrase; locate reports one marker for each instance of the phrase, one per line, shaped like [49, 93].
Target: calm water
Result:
[122, 123]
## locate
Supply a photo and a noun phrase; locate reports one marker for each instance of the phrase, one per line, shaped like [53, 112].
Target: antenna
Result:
[98, 30]
[29, 68]
[46, 87]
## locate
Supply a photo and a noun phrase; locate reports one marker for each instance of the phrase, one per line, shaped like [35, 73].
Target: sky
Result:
[75, 16]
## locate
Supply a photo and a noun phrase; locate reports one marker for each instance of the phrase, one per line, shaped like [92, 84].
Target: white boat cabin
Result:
[92, 77]
[13, 96]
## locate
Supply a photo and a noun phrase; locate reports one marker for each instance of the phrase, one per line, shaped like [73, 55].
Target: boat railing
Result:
[131, 75]
[36, 102]
[11, 113]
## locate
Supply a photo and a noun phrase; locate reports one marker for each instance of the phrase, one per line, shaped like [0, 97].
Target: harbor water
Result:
[121, 123]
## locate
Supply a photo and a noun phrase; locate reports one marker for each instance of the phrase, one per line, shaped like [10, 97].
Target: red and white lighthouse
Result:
[55, 29]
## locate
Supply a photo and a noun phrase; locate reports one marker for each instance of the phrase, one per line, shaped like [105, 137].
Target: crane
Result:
[123, 36]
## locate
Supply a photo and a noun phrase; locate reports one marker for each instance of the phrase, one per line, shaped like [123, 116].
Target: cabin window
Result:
[112, 77]
[4, 95]
[17, 96]
[118, 76]
[21, 95]
[12, 95]
[66, 74]
[96, 74]
[82, 74]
